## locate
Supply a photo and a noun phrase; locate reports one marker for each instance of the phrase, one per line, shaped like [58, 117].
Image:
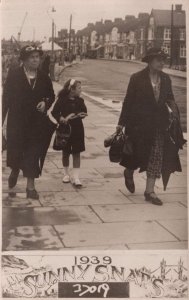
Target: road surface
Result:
[109, 80]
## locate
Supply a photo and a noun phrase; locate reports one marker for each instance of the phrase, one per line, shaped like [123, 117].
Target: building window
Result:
[151, 21]
[150, 34]
[182, 34]
[167, 48]
[107, 37]
[131, 37]
[142, 33]
[183, 51]
[114, 35]
[118, 37]
[141, 49]
[167, 34]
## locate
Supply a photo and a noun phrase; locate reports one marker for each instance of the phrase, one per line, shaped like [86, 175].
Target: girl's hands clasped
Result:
[82, 115]
[71, 117]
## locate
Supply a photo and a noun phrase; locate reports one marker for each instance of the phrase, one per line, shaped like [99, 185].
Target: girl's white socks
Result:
[66, 170]
[75, 173]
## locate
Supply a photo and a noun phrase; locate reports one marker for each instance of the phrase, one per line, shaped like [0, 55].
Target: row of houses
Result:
[130, 38]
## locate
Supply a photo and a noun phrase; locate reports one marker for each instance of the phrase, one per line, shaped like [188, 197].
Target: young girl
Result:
[70, 109]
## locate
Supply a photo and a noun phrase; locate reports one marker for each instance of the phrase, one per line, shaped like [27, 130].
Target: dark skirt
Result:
[76, 142]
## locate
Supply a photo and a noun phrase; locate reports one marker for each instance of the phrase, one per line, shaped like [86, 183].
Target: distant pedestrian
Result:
[27, 95]
[151, 120]
[71, 109]
[45, 64]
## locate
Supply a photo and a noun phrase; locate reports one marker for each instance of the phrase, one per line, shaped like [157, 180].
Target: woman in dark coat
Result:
[148, 111]
[27, 95]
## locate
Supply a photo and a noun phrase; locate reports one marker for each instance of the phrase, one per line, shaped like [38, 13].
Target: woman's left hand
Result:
[41, 106]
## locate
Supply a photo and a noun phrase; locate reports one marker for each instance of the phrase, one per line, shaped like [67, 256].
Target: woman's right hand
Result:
[119, 128]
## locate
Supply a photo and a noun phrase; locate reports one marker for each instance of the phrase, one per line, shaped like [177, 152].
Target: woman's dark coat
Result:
[27, 128]
[141, 115]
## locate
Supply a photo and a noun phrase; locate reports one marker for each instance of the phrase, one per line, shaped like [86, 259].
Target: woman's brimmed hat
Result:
[27, 50]
[154, 52]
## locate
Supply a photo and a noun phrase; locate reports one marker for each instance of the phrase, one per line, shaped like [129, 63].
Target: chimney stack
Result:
[117, 20]
[178, 7]
[129, 18]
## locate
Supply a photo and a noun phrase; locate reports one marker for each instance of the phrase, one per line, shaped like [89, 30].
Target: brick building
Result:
[159, 33]
[129, 38]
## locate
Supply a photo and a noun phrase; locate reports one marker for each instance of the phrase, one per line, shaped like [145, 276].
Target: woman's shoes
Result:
[12, 181]
[153, 200]
[12, 194]
[32, 194]
[129, 182]
[66, 179]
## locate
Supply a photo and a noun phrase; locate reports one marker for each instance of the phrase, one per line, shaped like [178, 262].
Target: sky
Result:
[38, 22]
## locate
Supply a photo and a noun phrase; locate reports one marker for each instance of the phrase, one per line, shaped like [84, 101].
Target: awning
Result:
[47, 46]
[98, 47]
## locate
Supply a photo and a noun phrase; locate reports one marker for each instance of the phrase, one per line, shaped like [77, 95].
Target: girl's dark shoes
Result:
[12, 181]
[32, 194]
[152, 199]
[129, 182]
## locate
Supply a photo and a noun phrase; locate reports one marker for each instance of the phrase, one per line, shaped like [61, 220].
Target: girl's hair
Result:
[70, 84]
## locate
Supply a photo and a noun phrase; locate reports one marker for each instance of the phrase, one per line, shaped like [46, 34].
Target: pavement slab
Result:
[54, 185]
[166, 198]
[184, 203]
[159, 246]
[48, 216]
[142, 212]
[111, 172]
[31, 238]
[81, 198]
[113, 234]
[174, 181]
[102, 247]
[176, 227]
[102, 184]
[19, 201]
[104, 197]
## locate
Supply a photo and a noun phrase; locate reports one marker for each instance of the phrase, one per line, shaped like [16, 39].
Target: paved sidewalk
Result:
[101, 215]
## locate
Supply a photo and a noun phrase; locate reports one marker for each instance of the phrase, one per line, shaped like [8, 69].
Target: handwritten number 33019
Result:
[84, 289]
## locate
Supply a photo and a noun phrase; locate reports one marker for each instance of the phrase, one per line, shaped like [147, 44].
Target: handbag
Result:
[116, 148]
[128, 146]
[108, 141]
[62, 136]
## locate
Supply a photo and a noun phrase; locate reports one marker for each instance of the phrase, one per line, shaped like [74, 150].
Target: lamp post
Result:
[69, 49]
[172, 37]
[53, 26]
[52, 49]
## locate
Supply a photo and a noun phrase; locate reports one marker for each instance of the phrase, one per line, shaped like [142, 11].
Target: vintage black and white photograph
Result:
[94, 136]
